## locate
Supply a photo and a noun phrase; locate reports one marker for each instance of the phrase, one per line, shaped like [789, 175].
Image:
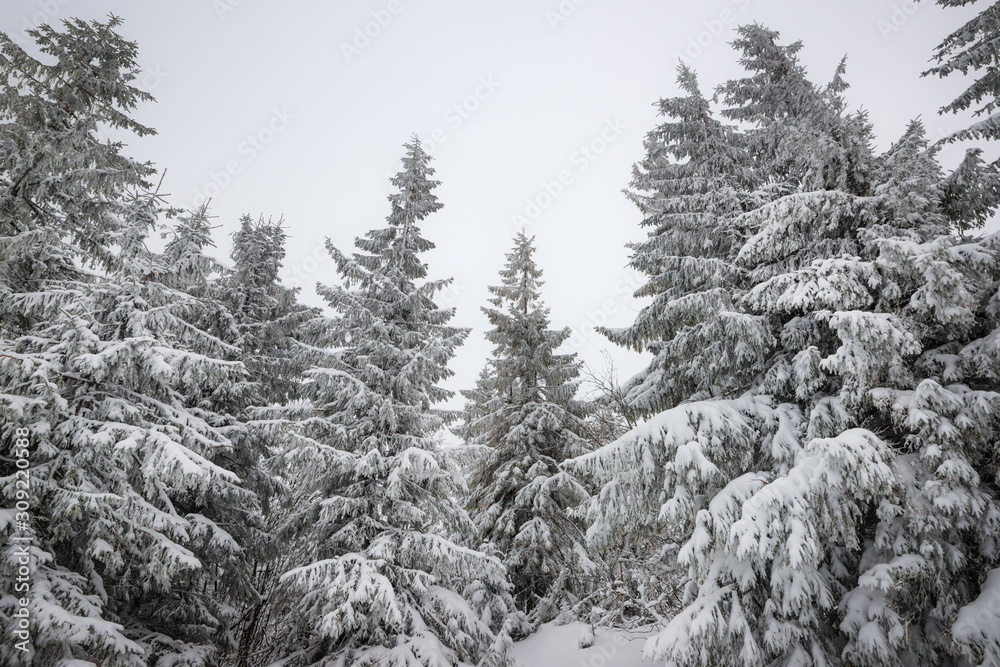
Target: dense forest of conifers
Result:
[199, 470]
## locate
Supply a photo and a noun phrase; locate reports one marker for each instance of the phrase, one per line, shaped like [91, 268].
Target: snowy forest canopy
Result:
[199, 470]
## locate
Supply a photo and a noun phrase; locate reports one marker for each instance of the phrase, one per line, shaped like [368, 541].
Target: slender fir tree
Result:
[386, 581]
[532, 422]
[270, 327]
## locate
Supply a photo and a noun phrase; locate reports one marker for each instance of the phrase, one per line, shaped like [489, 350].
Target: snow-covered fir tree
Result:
[248, 308]
[388, 580]
[231, 577]
[696, 178]
[132, 540]
[831, 467]
[973, 48]
[971, 195]
[532, 422]
[267, 314]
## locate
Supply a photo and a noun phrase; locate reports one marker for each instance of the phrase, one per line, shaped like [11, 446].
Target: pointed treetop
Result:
[258, 250]
[184, 255]
[520, 277]
[912, 157]
[399, 244]
[687, 79]
[838, 84]
[415, 200]
[777, 86]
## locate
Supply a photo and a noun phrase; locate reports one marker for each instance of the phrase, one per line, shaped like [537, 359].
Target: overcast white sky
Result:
[289, 109]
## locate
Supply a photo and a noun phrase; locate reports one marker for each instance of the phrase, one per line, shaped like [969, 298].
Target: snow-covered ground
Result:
[559, 646]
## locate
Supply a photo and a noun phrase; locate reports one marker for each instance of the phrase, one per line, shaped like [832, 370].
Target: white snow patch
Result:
[558, 646]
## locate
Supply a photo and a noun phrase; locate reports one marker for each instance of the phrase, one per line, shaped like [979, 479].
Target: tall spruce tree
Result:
[213, 597]
[385, 581]
[839, 504]
[249, 308]
[531, 422]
